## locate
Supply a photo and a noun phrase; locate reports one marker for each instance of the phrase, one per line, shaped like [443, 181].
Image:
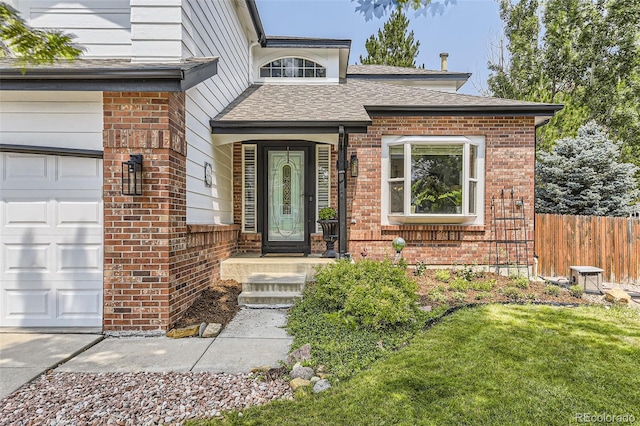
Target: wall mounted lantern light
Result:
[132, 175]
[353, 165]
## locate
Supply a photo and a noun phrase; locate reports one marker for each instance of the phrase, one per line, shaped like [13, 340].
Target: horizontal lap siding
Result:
[212, 28]
[102, 27]
[51, 119]
[609, 243]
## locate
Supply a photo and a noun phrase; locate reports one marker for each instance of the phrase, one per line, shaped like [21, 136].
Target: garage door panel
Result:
[79, 303]
[51, 241]
[22, 169]
[26, 213]
[27, 258]
[78, 168]
[83, 258]
[79, 213]
[27, 303]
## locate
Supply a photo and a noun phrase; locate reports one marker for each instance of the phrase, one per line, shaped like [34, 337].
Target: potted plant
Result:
[327, 218]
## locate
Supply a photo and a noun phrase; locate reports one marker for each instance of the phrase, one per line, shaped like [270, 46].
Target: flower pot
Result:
[329, 235]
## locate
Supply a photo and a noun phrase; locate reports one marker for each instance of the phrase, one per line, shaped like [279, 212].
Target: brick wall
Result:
[154, 267]
[509, 163]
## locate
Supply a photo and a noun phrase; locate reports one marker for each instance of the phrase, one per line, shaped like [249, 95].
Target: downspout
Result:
[343, 143]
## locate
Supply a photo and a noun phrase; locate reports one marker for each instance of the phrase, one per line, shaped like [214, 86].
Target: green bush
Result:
[552, 290]
[459, 284]
[375, 294]
[443, 275]
[436, 296]
[483, 285]
[520, 282]
[512, 293]
[576, 291]
[482, 295]
[421, 267]
[459, 296]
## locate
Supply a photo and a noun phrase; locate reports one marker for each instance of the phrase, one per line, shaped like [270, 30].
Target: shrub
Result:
[459, 284]
[436, 296]
[443, 275]
[466, 273]
[483, 285]
[481, 295]
[421, 267]
[374, 294]
[512, 293]
[576, 291]
[520, 282]
[552, 290]
[459, 297]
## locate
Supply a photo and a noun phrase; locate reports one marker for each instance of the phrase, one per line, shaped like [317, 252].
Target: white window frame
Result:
[322, 200]
[463, 218]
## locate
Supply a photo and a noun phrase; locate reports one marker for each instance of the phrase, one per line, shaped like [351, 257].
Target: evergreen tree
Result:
[393, 46]
[32, 45]
[584, 176]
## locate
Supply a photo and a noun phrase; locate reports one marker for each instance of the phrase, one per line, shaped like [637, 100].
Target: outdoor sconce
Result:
[132, 175]
[353, 165]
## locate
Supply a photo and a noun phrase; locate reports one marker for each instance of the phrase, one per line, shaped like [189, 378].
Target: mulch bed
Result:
[216, 304]
[428, 284]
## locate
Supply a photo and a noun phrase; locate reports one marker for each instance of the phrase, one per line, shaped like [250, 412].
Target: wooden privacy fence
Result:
[609, 243]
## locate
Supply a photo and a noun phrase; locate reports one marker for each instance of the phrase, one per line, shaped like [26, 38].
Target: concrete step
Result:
[241, 267]
[278, 282]
[268, 299]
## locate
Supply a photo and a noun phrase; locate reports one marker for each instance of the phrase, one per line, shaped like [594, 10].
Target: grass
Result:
[490, 365]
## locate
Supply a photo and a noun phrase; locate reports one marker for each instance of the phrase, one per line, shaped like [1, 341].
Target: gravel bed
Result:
[134, 398]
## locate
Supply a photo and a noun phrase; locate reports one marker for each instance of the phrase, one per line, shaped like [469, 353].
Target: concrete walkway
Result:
[24, 356]
[254, 338]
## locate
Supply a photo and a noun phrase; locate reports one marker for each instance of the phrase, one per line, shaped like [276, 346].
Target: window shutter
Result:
[249, 188]
[323, 179]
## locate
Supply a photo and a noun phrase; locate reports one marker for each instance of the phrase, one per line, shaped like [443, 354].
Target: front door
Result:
[288, 195]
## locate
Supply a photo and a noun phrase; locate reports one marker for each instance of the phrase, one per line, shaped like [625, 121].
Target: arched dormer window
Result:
[293, 67]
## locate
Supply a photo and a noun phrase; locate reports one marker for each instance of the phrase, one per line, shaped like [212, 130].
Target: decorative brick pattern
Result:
[154, 264]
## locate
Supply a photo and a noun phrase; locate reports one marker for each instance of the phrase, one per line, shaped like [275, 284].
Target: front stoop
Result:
[272, 290]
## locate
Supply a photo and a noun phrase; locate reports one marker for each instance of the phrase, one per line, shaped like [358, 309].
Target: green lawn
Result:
[496, 365]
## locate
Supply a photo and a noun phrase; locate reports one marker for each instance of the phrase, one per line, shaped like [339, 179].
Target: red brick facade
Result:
[154, 264]
[509, 163]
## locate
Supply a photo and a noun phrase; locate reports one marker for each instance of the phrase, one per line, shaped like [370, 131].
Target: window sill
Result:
[439, 219]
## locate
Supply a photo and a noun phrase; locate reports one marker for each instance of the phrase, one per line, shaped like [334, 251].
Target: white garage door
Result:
[50, 241]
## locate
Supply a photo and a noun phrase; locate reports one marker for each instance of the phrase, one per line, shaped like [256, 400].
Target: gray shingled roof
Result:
[352, 101]
[391, 70]
[106, 74]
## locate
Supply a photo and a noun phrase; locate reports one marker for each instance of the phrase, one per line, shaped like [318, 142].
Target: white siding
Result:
[212, 28]
[51, 119]
[101, 26]
[156, 30]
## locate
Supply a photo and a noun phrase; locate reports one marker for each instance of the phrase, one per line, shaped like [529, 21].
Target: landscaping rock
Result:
[302, 372]
[618, 296]
[315, 379]
[299, 383]
[261, 369]
[301, 354]
[212, 330]
[178, 333]
[203, 327]
[321, 386]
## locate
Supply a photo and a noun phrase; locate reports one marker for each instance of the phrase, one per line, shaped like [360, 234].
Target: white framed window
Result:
[433, 179]
[293, 67]
[249, 188]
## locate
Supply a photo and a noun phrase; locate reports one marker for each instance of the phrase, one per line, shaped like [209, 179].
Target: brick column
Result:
[142, 234]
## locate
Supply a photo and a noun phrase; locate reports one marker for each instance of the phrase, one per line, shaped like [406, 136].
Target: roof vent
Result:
[443, 61]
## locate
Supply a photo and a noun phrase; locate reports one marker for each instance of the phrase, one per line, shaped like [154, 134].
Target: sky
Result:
[465, 30]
